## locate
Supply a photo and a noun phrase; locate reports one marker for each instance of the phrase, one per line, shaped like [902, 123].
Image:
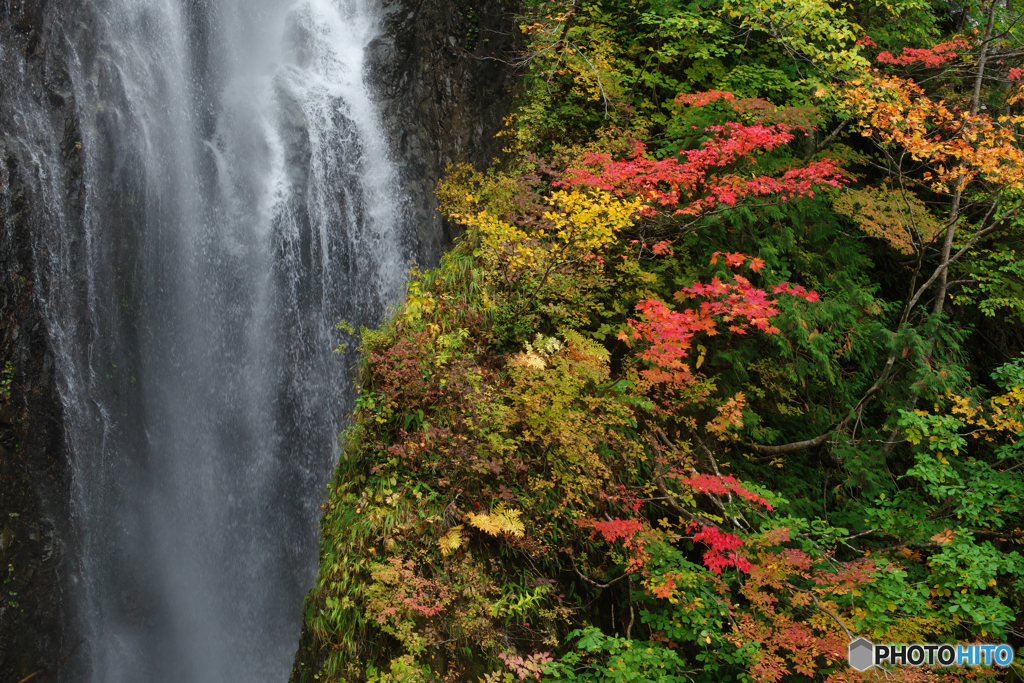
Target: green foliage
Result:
[996, 289]
[402, 669]
[812, 29]
[708, 427]
[599, 657]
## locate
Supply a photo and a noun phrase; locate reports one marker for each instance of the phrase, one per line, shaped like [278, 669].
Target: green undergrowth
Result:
[513, 498]
[724, 371]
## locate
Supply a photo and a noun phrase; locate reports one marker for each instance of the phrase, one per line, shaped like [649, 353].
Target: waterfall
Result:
[238, 202]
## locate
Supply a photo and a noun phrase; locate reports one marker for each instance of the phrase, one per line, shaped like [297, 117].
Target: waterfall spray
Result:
[238, 203]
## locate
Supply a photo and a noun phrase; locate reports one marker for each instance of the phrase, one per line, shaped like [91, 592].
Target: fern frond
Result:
[451, 541]
[484, 523]
[510, 521]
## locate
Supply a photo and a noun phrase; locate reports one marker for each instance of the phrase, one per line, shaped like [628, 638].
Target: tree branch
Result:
[590, 580]
[791, 447]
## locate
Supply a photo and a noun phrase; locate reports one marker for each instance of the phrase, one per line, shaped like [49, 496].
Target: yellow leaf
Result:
[484, 523]
[509, 520]
[451, 541]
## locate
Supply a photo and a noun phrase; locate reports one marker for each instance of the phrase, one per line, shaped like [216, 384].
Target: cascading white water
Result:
[239, 202]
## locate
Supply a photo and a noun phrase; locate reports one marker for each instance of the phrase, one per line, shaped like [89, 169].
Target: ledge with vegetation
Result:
[724, 372]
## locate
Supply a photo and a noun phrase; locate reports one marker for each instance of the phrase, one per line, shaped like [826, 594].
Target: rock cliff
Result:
[443, 82]
[36, 549]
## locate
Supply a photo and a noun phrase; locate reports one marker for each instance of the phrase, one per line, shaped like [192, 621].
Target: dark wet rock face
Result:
[36, 548]
[34, 525]
[441, 77]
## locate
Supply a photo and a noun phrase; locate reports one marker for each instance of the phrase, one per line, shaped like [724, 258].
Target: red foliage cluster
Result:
[851, 575]
[795, 290]
[722, 550]
[663, 247]
[670, 333]
[664, 591]
[633, 533]
[692, 179]
[932, 56]
[528, 667]
[399, 371]
[615, 529]
[759, 109]
[407, 591]
[721, 485]
[701, 99]
[787, 646]
[741, 299]
[736, 259]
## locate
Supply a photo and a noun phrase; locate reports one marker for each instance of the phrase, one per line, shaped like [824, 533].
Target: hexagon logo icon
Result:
[862, 654]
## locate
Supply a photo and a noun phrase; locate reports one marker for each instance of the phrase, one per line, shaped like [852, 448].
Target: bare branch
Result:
[590, 580]
[791, 447]
[827, 611]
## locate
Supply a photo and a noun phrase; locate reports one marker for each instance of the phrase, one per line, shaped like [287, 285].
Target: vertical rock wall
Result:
[441, 74]
[34, 485]
[35, 542]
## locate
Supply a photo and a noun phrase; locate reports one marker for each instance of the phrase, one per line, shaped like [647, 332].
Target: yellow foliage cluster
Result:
[1004, 414]
[590, 220]
[522, 252]
[418, 303]
[451, 541]
[898, 217]
[817, 29]
[578, 222]
[502, 520]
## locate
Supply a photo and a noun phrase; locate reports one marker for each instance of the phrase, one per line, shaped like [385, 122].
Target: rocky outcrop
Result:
[441, 75]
